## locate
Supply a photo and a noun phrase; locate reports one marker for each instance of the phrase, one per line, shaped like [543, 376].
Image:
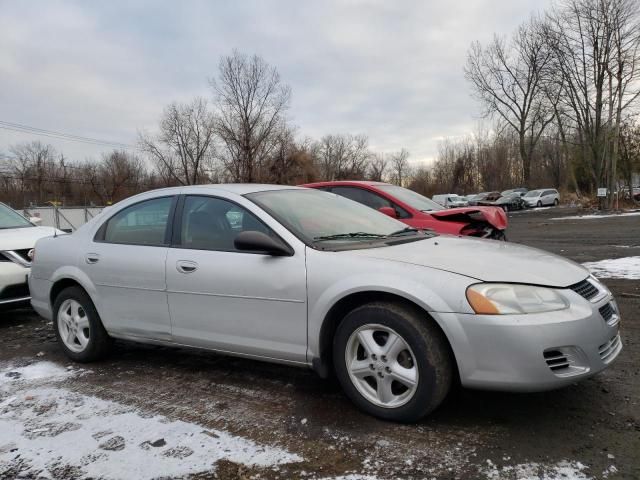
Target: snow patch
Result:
[46, 430]
[564, 470]
[626, 267]
[591, 217]
[34, 372]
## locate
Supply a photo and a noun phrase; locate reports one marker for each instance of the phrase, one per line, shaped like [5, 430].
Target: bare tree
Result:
[33, 163]
[183, 150]
[400, 166]
[251, 102]
[508, 80]
[341, 157]
[378, 164]
[117, 175]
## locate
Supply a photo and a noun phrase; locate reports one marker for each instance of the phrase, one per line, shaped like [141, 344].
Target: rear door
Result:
[228, 300]
[126, 263]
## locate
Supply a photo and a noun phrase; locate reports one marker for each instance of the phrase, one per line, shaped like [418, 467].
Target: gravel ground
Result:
[270, 421]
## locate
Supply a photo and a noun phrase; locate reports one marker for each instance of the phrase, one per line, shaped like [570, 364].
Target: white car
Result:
[542, 197]
[18, 236]
[451, 200]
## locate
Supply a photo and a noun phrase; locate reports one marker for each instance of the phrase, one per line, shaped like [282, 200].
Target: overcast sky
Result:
[392, 70]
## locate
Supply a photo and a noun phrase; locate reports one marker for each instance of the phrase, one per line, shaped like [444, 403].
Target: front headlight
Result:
[505, 298]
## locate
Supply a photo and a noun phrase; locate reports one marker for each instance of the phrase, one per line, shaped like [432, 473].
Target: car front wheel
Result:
[78, 327]
[539, 204]
[392, 361]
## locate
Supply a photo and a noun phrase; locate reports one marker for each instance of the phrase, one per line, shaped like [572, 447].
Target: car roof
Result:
[241, 188]
[335, 183]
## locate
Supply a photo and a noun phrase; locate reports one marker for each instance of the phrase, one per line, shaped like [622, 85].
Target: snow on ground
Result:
[34, 371]
[594, 216]
[626, 267]
[46, 429]
[535, 471]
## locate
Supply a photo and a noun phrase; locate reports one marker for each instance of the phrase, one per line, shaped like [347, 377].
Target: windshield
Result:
[533, 193]
[9, 218]
[411, 198]
[316, 216]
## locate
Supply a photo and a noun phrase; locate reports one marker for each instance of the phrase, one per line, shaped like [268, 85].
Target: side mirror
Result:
[254, 241]
[35, 220]
[388, 211]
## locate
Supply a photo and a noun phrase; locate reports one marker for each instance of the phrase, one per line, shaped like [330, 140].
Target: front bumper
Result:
[14, 289]
[534, 352]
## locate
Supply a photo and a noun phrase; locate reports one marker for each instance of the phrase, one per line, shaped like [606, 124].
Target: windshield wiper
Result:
[403, 231]
[340, 236]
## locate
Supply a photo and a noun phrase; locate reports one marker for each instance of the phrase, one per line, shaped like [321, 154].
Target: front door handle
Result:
[186, 266]
[92, 258]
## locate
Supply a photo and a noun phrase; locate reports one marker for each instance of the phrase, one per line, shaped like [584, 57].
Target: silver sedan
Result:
[313, 279]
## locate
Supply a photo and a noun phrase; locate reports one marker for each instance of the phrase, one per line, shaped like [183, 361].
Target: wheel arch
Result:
[323, 364]
[69, 277]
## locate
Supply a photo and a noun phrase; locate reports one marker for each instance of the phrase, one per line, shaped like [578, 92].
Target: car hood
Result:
[495, 216]
[20, 238]
[486, 260]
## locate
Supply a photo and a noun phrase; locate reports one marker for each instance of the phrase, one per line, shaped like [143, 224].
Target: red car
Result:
[420, 212]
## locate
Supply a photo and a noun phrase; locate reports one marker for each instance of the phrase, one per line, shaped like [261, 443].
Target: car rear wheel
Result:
[78, 327]
[556, 202]
[392, 362]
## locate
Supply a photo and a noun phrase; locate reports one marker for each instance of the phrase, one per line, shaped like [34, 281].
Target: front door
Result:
[229, 300]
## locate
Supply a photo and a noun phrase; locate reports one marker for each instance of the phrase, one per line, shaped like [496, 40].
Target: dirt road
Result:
[303, 426]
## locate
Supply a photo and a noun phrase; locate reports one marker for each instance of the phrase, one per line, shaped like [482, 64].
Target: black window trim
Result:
[100, 233]
[176, 240]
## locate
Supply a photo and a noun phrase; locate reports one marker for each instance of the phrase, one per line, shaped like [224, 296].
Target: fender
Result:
[399, 285]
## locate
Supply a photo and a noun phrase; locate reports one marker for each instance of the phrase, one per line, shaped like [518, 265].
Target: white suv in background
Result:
[542, 197]
[18, 236]
[451, 200]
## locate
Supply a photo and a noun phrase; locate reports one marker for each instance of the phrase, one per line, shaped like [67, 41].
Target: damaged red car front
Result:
[419, 211]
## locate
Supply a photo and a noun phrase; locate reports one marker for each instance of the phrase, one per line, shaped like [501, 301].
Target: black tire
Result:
[434, 359]
[100, 342]
[539, 204]
[556, 202]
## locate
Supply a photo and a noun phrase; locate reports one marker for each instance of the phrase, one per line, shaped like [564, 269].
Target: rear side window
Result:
[144, 223]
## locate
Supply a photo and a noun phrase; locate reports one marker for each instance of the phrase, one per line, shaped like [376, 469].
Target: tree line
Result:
[563, 94]
[560, 96]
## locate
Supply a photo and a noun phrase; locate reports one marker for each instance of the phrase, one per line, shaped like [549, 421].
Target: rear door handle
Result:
[92, 258]
[186, 266]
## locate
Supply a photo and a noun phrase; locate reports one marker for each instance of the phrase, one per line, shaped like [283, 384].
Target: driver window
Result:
[213, 223]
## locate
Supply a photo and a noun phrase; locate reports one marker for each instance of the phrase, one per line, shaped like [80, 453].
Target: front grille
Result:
[608, 350]
[607, 312]
[585, 289]
[556, 360]
[15, 291]
[24, 254]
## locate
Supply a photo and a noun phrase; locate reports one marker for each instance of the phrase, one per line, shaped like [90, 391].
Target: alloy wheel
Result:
[381, 366]
[73, 325]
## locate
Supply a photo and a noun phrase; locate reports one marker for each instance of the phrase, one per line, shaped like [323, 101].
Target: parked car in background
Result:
[315, 280]
[418, 211]
[521, 191]
[17, 239]
[542, 197]
[483, 196]
[450, 200]
[508, 202]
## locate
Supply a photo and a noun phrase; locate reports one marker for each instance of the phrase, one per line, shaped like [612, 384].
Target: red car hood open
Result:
[493, 215]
